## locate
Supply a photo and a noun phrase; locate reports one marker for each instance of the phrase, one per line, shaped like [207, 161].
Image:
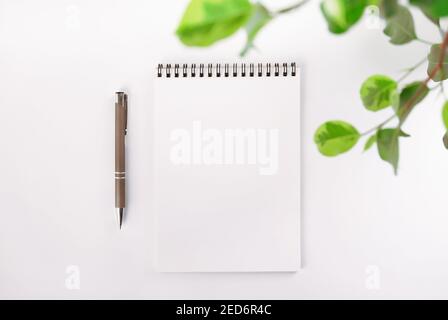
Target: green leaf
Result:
[259, 18]
[416, 91]
[341, 15]
[388, 8]
[388, 147]
[445, 140]
[403, 134]
[410, 96]
[436, 8]
[395, 100]
[400, 27]
[206, 21]
[376, 92]
[445, 114]
[433, 59]
[335, 137]
[370, 142]
[431, 18]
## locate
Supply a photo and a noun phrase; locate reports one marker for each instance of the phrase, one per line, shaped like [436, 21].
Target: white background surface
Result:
[57, 81]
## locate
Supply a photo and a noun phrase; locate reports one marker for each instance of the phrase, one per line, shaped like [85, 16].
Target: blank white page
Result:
[227, 173]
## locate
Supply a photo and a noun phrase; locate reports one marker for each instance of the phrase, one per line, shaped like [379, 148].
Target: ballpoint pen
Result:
[121, 110]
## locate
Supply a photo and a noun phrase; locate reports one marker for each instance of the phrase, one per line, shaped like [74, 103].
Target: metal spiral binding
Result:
[227, 70]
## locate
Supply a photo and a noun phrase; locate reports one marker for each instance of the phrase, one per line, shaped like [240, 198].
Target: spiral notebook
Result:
[227, 167]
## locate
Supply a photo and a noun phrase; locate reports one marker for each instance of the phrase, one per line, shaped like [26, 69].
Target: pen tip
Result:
[119, 213]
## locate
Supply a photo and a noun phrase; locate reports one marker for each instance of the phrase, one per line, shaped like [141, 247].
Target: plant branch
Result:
[291, 7]
[407, 108]
[442, 90]
[442, 32]
[412, 69]
[424, 41]
[380, 125]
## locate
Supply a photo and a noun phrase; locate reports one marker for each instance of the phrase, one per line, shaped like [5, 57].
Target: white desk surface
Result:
[60, 63]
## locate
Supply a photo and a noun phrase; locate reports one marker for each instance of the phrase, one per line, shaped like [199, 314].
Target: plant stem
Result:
[442, 32]
[412, 69]
[291, 7]
[380, 125]
[442, 90]
[424, 41]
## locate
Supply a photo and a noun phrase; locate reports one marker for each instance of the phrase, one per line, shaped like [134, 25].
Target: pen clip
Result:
[122, 103]
[125, 113]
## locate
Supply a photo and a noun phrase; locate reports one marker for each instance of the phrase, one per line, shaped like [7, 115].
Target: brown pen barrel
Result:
[120, 166]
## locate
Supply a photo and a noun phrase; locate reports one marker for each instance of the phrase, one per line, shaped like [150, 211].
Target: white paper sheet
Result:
[227, 174]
